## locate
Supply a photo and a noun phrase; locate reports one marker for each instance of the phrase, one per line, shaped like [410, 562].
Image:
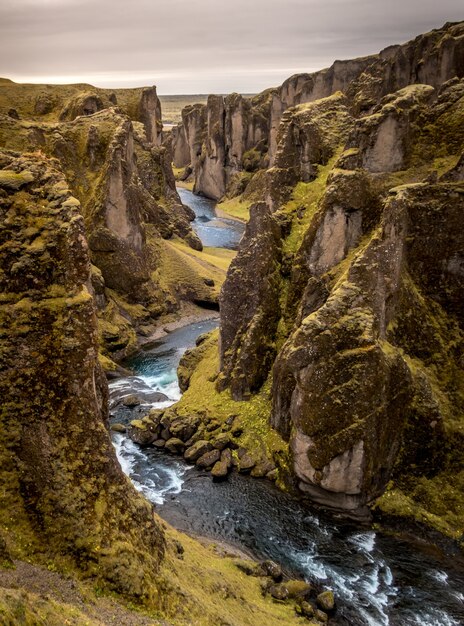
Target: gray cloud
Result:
[201, 46]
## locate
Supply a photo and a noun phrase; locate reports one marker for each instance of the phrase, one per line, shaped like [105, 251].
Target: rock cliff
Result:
[345, 293]
[240, 132]
[108, 148]
[78, 544]
[63, 492]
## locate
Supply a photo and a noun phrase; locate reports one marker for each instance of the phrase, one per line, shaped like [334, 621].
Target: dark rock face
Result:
[343, 389]
[248, 339]
[189, 136]
[229, 128]
[348, 284]
[149, 113]
[247, 349]
[61, 483]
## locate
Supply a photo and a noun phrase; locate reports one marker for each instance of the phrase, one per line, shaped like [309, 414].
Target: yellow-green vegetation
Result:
[20, 608]
[436, 502]
[217, 257]
[178, 175]
[47, 103]
[237, 208]
[217, 591]
[252, 417]
[305, 198]
[184, 270]
[251, 160]
[201, 584]
[108, 364]
[12, 180]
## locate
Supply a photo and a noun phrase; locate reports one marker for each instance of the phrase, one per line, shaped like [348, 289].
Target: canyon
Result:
[337, 368]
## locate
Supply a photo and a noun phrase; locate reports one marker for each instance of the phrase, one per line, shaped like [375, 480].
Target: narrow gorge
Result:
[232, 354]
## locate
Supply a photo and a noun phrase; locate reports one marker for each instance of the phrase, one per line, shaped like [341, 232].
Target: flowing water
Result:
[214, 231]
[378, 580]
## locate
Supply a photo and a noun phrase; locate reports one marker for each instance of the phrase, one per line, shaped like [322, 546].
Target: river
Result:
[379, 580]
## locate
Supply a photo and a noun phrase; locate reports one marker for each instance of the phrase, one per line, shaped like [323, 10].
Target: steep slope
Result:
[72, 527]
[63, 490]
[124, 182]
[346, 292]
[239, 135]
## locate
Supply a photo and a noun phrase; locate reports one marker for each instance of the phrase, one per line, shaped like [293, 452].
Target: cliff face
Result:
[345, 292]
[245, 124]
[51, 103]
[124, 182]
[220, 141]
[63, 492]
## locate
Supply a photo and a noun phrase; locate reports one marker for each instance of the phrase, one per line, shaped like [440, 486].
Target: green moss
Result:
[12, 180]
[251, 160]
[303, 206]
[252, 416]
[436, 503]
[238, 208]
[217, 591]
[183, 271]
[20, 608]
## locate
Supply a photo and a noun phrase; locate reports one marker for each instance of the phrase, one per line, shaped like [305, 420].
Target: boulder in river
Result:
[306, 609]
[221, 441]
[175, 445]
[246, 463]
[118, 428]
[141, 433]
[321, 616]
[262, 469]
[326, 600]
[184, 427]
[290, 590]
[131, 401]
[272, 569]
[220, 470]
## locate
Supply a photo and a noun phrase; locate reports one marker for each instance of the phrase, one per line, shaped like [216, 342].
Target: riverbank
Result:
[189, 314]
[393, 579]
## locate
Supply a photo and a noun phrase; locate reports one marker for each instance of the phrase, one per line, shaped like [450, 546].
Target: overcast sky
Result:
[201, 46]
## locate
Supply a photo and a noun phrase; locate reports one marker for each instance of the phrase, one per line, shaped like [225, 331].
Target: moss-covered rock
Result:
[123, 180]
[64, 493]
[326, 600]
[364, 323]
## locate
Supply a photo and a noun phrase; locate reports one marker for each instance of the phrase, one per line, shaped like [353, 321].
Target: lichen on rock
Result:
[63, 490]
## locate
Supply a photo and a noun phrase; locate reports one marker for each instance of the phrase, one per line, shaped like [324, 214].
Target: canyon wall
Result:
[108, 145]
[345, 294]
[239, 134]
[64, 495]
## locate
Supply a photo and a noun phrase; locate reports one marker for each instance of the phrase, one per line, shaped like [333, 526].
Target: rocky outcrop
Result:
[128, 198]
[253, 125]
[247, 348]
[345, 404]
[63, 490]
[189, 136]
[362, 332]
[308, 139]
[219, 141]
[67, 102]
